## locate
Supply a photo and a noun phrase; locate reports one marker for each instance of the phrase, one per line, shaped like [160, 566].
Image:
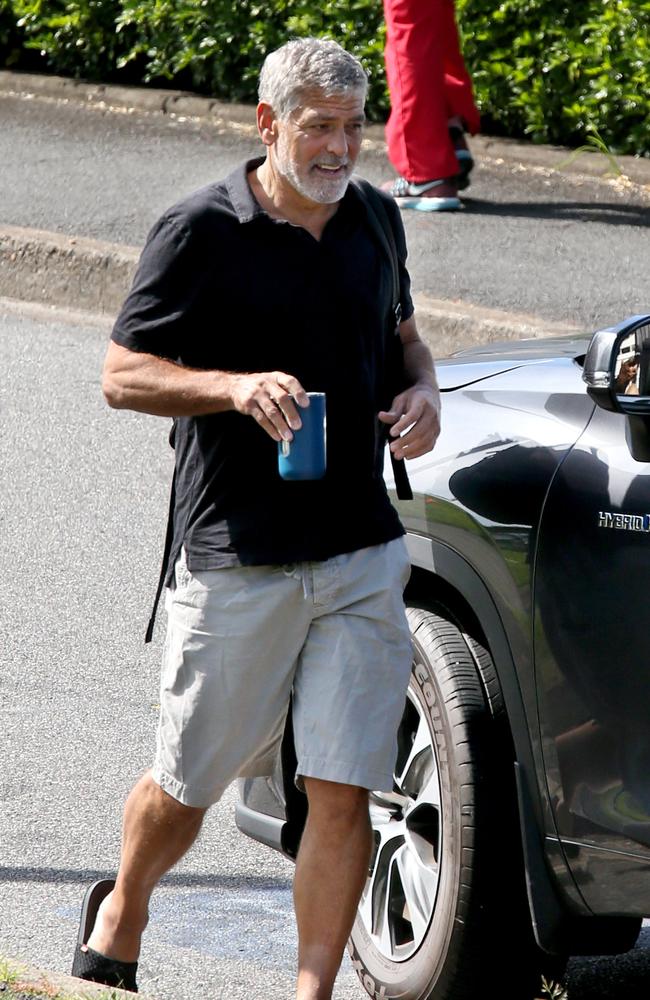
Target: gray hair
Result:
[306, 64]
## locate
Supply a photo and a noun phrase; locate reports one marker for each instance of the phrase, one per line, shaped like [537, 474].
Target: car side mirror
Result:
[617, 367]
[617, 373]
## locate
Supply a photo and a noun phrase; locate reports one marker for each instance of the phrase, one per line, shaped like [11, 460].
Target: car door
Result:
[591, 581]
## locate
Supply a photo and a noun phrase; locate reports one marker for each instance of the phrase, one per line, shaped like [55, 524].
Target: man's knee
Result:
[164, 807]
[334, 803]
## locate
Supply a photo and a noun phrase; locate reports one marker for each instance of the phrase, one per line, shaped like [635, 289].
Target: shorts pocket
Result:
[182, 575]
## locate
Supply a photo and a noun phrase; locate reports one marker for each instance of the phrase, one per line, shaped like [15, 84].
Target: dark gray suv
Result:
[518, 829]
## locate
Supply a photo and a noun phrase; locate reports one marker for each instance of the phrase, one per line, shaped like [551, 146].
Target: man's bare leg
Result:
[157, 831]
[331, 871]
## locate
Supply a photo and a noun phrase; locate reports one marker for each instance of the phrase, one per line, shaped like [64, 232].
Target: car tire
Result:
[444, 909]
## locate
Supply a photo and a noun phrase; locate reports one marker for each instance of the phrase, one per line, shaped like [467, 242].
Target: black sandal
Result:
[89, 964]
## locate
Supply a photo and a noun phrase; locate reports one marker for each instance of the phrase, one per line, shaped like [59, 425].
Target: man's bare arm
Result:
[418, 407]
[418, 362]
[133, 380]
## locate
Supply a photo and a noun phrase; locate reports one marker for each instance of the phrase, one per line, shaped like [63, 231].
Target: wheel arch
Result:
[442, 576]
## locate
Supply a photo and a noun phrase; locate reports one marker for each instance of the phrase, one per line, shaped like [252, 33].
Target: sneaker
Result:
[429, 196]
[463, 155]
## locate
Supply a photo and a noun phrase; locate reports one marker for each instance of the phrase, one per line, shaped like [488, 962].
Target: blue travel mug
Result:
[305, 456]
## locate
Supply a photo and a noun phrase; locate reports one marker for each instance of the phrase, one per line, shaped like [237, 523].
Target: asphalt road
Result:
[560, 247]
[84, 494]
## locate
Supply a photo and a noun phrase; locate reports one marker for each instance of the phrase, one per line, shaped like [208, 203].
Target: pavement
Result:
[549, 243]
[84, 496]
[85, 490]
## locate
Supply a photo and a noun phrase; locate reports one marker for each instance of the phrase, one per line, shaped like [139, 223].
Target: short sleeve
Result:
[154, 318]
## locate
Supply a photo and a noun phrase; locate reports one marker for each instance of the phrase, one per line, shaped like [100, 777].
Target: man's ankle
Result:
[118, 931]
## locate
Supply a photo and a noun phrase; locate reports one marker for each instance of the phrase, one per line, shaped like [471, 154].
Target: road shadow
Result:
[570, 211]
[619, 977]
[83, 876]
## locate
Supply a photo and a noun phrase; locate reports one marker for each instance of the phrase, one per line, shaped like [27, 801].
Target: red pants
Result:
[428, 85]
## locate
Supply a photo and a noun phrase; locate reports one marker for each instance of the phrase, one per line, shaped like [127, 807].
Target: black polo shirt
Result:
[222, 285]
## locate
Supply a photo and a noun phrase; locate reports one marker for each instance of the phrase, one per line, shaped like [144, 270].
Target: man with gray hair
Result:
[251, 293]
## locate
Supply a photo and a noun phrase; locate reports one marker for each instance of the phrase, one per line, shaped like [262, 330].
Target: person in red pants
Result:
[432, 105]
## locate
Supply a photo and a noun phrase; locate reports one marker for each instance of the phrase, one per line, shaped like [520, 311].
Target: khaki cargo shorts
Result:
[241, 640]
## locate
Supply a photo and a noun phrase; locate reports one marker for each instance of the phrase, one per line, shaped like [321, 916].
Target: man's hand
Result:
[416, 412]
[266, 396]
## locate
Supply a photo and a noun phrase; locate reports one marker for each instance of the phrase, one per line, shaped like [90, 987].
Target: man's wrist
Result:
[428, 384]
[228, 388]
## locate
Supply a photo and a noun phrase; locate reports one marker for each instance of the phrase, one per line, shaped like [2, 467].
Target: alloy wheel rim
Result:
[398, 902]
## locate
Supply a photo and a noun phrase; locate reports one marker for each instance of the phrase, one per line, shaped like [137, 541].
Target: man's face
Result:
[318, 145]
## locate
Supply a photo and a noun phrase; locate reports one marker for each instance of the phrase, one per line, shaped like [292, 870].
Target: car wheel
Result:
[439, 881]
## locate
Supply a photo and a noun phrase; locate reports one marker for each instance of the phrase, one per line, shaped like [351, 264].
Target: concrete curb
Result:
[241, 118]
[70, 271]
[77, 273]
[52, 984]
[451, 326]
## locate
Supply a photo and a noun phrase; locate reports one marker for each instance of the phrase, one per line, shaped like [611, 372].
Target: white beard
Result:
[315, 187]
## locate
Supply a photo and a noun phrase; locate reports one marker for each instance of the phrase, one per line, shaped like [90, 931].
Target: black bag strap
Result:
[381, 227]
[169, 538]
[383, 230]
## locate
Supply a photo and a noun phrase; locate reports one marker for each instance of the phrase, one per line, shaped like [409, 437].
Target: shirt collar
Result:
[239, 190]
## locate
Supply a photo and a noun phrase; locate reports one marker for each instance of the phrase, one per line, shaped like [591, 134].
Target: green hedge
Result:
[76, 38]
[554, 73]
[221, 44]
